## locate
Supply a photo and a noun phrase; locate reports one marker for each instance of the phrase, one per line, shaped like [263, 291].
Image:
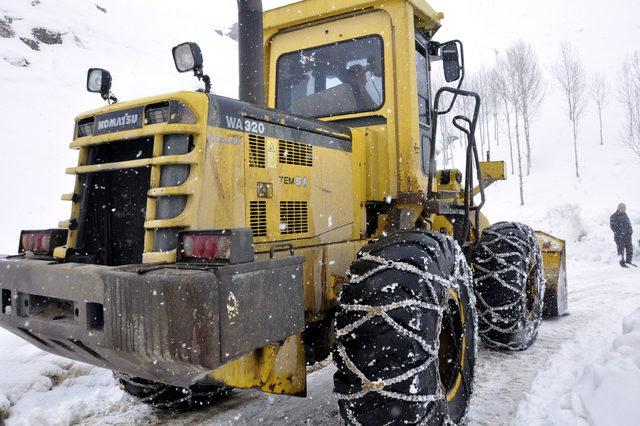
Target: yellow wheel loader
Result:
[216, 243]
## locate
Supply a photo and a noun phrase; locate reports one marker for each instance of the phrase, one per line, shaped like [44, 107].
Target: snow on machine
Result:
[216, 243]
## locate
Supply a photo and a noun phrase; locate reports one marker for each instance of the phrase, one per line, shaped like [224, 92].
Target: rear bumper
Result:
[169, 325]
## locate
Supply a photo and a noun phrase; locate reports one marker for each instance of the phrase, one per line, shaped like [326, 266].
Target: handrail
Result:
[471, 156]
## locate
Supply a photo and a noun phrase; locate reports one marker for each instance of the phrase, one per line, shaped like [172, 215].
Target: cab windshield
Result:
[336, 79]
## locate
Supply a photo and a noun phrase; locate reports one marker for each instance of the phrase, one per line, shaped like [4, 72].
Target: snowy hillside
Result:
[40, 101]
[563, 379]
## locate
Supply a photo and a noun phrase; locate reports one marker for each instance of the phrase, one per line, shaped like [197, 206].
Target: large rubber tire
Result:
[171, 398]
[509, 285]
[406, 333]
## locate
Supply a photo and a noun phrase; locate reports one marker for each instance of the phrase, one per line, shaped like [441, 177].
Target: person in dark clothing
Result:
[622, 231]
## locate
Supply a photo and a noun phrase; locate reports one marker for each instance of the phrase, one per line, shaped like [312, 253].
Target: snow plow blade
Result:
[172, 325]
[555, 272]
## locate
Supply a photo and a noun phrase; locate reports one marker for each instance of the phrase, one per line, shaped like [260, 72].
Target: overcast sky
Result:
[602, 33]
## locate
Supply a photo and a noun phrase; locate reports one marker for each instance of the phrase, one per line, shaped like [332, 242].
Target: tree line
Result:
[513, 90]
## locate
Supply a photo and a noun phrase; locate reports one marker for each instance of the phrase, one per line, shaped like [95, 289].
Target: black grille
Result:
[113, 152]
[295, 153]
[258, 218]
[113, 211]
[256, 151]
[293, 217]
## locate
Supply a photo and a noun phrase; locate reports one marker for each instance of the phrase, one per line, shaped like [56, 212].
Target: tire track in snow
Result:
[519, 388]
[245, 407]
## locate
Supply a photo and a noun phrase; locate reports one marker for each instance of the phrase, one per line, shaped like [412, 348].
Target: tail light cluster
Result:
[207, 247]
[42, 242]
[212, 247]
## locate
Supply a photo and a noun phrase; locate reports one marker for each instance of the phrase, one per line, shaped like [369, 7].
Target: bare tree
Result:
[502, 103]
[507, 114]
[571, 75]
[447, 133]
[477, 83]
[600, 96]
[507, 73]
[485, 81]
[629, 97]
[465, 107]
[447, 138]
[530, 87]
[493, 101]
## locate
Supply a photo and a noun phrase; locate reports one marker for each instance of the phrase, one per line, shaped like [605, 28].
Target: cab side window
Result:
[424, 103]
[422, 70]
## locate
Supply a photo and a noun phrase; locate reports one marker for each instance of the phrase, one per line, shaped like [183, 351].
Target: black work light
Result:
[99, 81]
[188, 57]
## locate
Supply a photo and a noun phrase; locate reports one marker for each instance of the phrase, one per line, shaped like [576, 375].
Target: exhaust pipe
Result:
[251, 53]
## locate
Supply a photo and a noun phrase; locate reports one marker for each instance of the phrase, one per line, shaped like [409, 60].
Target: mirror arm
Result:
[199, 73]
[460, 81]
[109, 97]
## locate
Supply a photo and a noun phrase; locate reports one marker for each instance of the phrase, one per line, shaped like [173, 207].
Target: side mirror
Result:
[187, 57]
[451, 61]
[99, 81]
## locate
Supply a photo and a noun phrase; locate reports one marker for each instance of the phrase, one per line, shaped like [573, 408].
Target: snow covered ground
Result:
[584, 368]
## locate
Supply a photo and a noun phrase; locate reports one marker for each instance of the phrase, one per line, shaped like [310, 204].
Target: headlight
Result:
[157, 113]
[85, 127]
[98, 81]
[187, 57]
[169, 112]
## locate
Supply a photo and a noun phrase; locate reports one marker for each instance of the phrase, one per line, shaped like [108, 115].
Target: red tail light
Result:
[207, 247]
[42, 242]
[220, 246]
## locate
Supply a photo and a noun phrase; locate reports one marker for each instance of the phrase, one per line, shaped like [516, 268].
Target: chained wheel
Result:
[171, 398]
[405, 333]
[509, 285]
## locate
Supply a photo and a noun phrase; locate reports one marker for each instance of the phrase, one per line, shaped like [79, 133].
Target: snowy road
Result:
[522, 388]
[525, 387]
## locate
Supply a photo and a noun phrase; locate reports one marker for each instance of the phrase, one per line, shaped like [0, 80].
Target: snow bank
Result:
[43, 389]
[565, 221]
[608, 392]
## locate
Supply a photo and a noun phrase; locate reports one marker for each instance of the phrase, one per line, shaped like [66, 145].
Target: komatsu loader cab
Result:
[216, 243]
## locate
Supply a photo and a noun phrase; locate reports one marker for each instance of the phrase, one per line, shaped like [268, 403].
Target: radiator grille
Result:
[295, 153]
[293, 217]
[256, 151]
[258, 218]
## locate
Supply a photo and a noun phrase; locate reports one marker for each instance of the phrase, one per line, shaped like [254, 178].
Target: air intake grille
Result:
[295, 153]
[258, 218]
[256, 151]
[293, 217]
